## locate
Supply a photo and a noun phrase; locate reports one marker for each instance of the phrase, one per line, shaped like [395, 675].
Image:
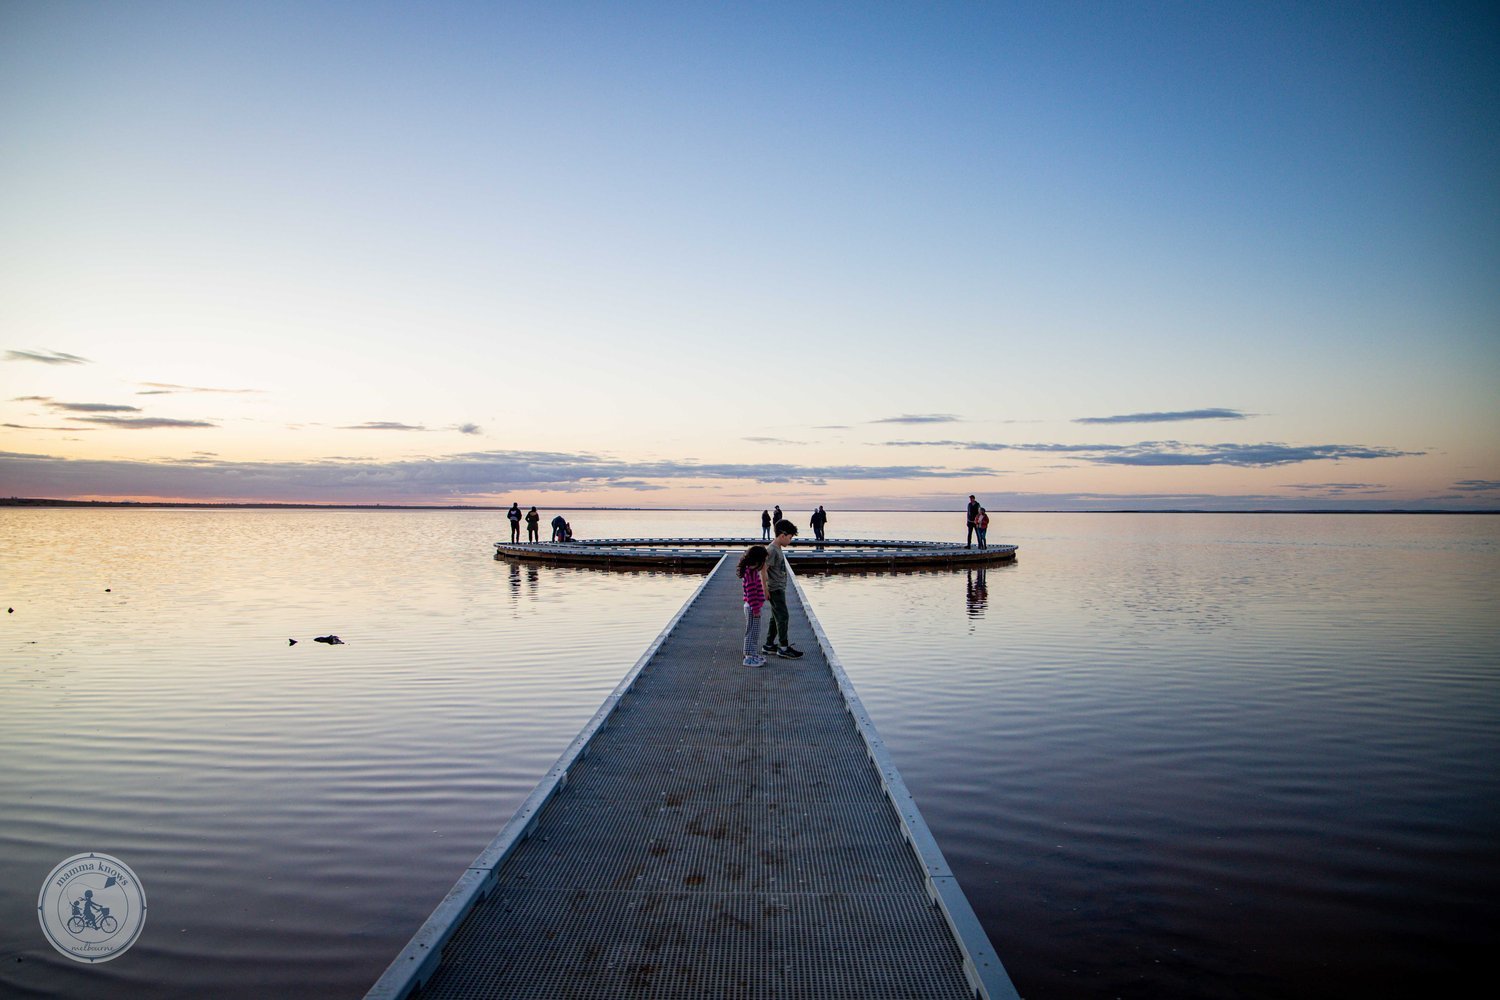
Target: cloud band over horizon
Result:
[455, 477]
[1176, 453]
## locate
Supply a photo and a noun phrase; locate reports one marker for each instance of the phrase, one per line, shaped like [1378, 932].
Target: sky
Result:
[882, 255]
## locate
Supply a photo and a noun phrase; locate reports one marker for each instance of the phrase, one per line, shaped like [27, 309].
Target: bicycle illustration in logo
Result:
[89, 915]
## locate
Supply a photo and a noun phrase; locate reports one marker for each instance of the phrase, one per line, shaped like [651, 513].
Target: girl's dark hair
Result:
[754, 558]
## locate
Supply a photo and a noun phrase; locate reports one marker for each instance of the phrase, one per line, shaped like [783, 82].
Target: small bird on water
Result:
[332, 640]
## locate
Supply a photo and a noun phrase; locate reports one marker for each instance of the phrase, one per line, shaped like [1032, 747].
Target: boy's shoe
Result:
[768, 647]
[789, 653]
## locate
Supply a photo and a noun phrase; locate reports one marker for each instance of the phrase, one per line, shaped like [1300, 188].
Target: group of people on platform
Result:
[562, 531]
[768, 518]
[977, 520]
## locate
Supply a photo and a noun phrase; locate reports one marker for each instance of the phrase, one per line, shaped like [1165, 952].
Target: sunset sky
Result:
[1061, 255]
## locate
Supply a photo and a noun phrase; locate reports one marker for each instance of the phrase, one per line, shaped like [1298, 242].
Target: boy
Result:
[776, 585]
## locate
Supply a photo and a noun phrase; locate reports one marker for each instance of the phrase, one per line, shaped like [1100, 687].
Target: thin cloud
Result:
[382, 425]
[33, 427]
[169, 388]
[1476, 485]
[639, 484]
[920, 418]
[995, 446]
[770, 440]
[393, 425]
[1338, 489]
[1175, 453]
[1168, 416]
[47, 357]
[92, 407]
[142, 423]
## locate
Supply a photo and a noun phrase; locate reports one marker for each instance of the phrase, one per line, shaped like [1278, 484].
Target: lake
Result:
[1168, 755]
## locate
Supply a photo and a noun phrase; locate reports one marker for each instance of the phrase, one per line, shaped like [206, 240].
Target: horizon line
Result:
[276, 505]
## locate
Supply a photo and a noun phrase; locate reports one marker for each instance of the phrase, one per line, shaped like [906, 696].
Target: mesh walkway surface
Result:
[726, 834]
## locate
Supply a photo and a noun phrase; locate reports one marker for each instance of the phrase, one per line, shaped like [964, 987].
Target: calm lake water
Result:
[1168, 755]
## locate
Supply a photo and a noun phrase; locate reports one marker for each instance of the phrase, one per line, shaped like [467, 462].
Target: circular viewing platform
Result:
[804, 554]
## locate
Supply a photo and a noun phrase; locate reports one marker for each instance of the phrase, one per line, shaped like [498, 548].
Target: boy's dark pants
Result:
[779, 617]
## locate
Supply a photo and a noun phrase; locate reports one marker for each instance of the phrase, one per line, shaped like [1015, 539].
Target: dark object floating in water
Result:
[332, 640]
[10, 611]
[106, 590]
[291, 642]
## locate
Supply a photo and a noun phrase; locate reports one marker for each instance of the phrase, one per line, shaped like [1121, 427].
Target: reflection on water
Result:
[1168, 755]
[517, 572]
[977, 594]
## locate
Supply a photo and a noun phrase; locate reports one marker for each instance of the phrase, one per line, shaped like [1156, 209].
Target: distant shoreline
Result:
[168, 505]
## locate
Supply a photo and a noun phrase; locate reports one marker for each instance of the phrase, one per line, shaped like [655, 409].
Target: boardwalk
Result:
[716, 831]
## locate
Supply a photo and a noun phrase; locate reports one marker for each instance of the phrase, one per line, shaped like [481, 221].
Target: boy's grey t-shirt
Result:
[775, 567]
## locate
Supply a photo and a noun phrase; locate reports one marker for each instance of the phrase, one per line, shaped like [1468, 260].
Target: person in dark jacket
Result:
[973, 515]
[819, 520]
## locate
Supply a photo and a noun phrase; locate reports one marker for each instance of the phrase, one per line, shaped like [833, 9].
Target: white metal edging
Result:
[982, 965]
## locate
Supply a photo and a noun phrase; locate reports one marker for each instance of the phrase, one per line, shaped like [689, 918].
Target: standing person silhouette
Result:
[972, 515]
[765, 526]
[776, 516]
[982, 527]
[533, 525]
[776, 580]
[514, 515]
[819, 521]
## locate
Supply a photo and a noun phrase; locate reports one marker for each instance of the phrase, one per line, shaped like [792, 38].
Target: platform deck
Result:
[716, 831]
[834, 554]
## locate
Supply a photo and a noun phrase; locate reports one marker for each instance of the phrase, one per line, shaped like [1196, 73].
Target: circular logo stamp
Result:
[92, 907]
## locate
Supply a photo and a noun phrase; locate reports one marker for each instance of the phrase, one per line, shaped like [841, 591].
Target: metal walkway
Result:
[715, 831]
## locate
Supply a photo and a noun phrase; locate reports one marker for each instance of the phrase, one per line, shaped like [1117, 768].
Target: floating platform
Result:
[805, 554]
[714, 831]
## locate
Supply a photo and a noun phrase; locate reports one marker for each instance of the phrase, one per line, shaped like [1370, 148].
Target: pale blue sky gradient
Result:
[643, 239]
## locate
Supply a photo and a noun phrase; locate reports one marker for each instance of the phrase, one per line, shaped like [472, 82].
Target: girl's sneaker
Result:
[755, 661]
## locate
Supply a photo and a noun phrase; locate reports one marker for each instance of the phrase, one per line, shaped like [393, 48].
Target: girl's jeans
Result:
[752, 630]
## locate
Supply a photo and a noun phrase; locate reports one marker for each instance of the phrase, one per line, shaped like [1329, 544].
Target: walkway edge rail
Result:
[982, 966]
[420, 958]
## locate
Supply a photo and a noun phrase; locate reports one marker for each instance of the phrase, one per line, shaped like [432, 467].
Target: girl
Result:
[752, 572]
[982, 526]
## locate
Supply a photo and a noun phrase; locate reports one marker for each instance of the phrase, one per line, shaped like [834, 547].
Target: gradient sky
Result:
[1062, 255]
